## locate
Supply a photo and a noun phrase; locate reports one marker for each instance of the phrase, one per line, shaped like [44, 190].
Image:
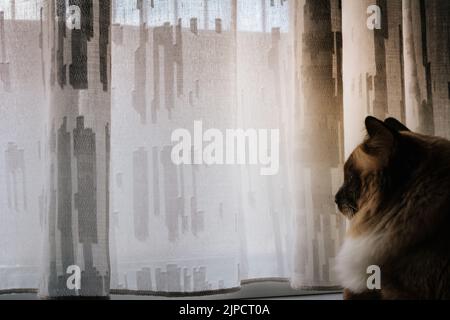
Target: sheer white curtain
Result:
[401, 70]
[87, 117]
[230, 65]
[23, 118]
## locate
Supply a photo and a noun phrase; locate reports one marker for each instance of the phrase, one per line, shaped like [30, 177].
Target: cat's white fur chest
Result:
[354, 259]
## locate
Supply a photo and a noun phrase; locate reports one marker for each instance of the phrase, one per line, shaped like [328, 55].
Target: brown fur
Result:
[403, 194]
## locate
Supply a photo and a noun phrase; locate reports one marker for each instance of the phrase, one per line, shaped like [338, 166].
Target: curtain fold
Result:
[318, 141]
[79, 119]
[88, 118]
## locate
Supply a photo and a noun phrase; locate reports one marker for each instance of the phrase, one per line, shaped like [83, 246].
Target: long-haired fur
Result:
[396, 195]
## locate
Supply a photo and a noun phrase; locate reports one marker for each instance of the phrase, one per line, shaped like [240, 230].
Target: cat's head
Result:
[379, 166]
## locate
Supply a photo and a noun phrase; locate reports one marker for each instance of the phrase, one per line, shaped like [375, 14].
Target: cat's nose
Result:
[338, 197]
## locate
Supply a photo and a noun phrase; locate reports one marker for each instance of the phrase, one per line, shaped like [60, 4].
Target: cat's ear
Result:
[378, 129]
[382, 139]
[396, 125]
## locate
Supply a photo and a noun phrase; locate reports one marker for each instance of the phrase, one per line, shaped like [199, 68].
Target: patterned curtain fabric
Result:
[93, 95]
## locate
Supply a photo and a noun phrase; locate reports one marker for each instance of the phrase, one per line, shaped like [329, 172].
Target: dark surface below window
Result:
[258, 290]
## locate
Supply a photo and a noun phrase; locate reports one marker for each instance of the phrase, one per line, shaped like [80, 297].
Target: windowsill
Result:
[269, 290]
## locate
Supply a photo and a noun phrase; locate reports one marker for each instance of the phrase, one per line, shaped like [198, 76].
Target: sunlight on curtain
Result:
[202, 227]
[189, 228]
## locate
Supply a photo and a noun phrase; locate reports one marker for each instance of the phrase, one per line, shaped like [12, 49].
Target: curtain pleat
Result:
[78, 160]
[318, 145]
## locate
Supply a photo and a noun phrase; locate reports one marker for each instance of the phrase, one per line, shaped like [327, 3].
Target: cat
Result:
[396, 196]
